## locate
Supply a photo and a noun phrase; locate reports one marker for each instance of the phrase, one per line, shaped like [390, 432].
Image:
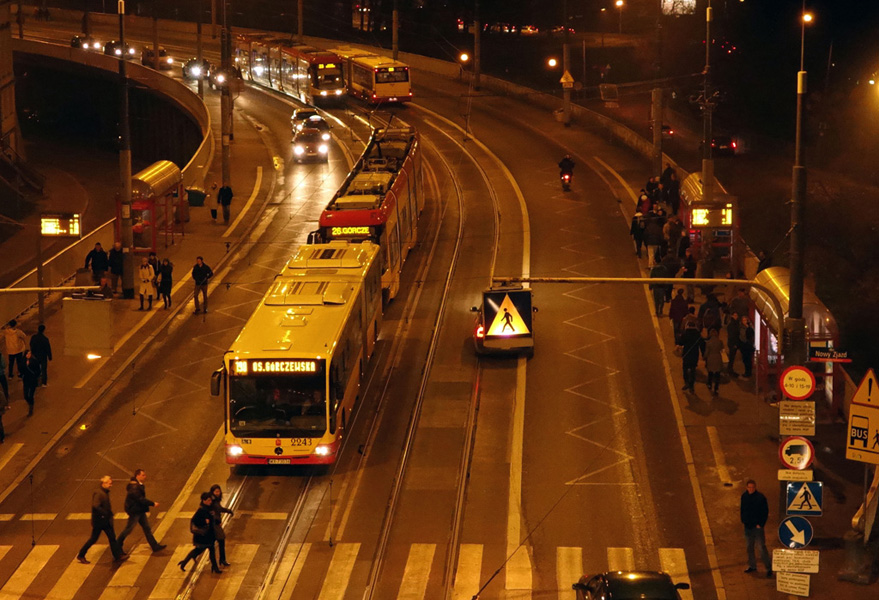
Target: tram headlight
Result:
[322, 149]
[323, 92]
[323, 450]
[338, 92]
[325, 136]
[234, 450]
[258, 70]
[298, 150]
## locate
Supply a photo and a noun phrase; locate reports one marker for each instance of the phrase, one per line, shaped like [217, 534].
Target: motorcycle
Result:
[566, 181]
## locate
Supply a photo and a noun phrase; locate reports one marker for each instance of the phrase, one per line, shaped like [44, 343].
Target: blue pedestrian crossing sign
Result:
[795, 532]
[805, 498]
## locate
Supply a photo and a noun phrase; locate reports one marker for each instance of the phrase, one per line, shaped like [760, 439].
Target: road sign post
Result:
[805, 498]
[795, 561]
[797, 383]
[862, 438]
[796, 452]
[795, 532]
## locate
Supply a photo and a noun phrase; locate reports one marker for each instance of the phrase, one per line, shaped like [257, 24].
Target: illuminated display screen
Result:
[326, 66]
[256, 366]
[350, 231]
[57, 225]
[712, 217]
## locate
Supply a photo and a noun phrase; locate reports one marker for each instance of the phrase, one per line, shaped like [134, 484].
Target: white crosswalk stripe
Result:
[25, 574]
[336, 575]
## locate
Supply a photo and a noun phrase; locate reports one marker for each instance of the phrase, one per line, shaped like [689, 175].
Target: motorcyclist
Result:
[567, 165]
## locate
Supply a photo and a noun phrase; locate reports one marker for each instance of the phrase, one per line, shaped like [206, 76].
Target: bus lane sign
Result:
[862, 437]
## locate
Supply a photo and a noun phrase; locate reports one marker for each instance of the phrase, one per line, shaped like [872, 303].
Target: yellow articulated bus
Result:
[293, 375]
[376, 79]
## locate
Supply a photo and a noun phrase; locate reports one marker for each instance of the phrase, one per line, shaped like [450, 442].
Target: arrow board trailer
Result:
[503, 322]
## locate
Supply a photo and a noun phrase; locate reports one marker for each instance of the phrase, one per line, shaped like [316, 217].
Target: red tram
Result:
[380, 201]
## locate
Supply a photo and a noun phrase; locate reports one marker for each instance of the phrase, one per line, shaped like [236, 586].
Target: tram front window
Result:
[272, 406]
[328, 81]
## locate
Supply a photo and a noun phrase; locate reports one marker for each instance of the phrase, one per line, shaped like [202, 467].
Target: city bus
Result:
[380, 201]
[373, 78]
[292, 376]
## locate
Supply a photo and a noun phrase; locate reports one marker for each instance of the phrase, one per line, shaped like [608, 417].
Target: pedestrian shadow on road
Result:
[710, 404]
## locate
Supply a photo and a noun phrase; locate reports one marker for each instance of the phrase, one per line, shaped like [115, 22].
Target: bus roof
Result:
[303, 312]
[375, 61]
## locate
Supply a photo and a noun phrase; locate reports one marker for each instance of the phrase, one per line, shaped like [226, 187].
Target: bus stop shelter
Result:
[156, 206]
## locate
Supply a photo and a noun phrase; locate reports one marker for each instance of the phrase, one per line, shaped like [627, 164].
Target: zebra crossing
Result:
[336, 565]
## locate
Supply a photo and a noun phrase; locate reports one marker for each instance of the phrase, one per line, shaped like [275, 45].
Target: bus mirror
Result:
[216, 381]
[534, 308]
[474, 309]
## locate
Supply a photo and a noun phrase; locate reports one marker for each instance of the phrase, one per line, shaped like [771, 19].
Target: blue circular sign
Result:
[795, 532]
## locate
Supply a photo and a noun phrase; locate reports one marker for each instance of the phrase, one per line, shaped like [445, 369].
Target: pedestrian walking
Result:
[202, 527]
[116, 258]
[637, 231]
[740, 304]
[691, 347]
[154, 263]
[201, 274]
[746, 344]
[4, 384]
[98, 261]
[16, 344]
[691, 320]
[164, 278]
[665, 177]
[218, 510]
[224, 197]
[653, 237]
[42, 350]
[709, 312]
[754, 512]
[137, 506]
[102, 522]
[690, 266]
[713, 354]
[732, 342]
[765, 261]
[146, 275]
[677, 310]
[31, 379]
[658, 289]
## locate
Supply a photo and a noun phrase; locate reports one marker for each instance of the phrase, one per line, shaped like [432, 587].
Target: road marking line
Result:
[25, 574]
[341, 565]
[468, 572]
[38, 517]
[184, 494]
[75, 575]
[417, 572]
[171, 579]
[250, 200]
[620, 559]
[265, 516]
[719, 460]
[568, 569]
[127, 573]
[291, 563]
[228, 586]
[619, 177]
[6, 517]
[4, 550]
[518, 569]
[13, 450]
[674, 562]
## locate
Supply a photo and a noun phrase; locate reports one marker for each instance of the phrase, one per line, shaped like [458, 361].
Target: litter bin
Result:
[196, 196]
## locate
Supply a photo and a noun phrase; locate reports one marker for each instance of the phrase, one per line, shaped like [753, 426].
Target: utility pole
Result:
[477, 47]
[198, 49]
[657, 130]
[566, 65]
[707, 106]
[226, 98]
[156, 35]
[395, 30]
[299, 21]
[125, 166]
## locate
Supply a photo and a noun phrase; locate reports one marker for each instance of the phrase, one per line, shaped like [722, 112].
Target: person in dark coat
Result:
[659, 289]
[30, 377]
[5, 404]
[117, 261]
[202, 527]
[637, 231]
[42, 350]
[218, 510]
[201, 274]
[754, 512]
[98, 261]
[102, 521]
[691, 347]
[713, 354]
[137, 505]
[653, 237]
[765, 261]
[165, 278]
[746, 344]
[224, 197]
[732, 342]
[677, 310]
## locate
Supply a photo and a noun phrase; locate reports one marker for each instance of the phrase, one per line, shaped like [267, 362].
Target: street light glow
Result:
[619, 3]
[552, 62]
[807, 17]
[464, 57]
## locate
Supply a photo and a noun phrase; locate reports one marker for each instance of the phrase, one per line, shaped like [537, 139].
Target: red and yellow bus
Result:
[293, 374]
[380, 201]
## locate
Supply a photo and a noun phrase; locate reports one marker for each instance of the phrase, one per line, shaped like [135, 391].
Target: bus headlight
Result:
[297, 150]
[325, 136]
[323, 450]
[234, 450]
[323, 93]
[322, 148]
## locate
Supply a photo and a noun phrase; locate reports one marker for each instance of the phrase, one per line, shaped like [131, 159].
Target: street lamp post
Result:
[125, 166]
[620, 4]
[796, 352]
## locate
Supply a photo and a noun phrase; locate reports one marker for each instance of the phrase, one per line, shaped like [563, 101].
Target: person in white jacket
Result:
[16, 345]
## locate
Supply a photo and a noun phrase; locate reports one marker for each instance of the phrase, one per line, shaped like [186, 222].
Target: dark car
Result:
[300, 115]
[723, 145]
[195, 69]
[220, 78]
[319, 123]
[119, 50]
[309, 144]
[84, 43]
[147, 60]
[626, 585]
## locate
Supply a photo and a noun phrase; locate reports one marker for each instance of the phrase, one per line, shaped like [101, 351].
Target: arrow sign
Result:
[795, 532]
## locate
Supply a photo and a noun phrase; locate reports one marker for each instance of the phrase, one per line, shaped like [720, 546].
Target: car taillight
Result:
[480, 331]
[733, 145]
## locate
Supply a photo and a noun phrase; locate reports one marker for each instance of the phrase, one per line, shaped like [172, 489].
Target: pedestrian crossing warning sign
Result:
[509, 313]
[805, 498]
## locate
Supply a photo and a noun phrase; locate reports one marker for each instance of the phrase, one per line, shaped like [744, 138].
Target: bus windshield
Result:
[392, 75]
[268, 406]
[328, 79]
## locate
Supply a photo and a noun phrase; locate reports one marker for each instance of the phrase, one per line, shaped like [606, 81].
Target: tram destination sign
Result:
[276, 366]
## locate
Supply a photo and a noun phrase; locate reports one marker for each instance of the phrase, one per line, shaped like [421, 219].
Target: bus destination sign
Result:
[351, 231]
[257, 366]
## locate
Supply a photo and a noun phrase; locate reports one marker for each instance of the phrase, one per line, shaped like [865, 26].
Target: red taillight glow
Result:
[480, 331]
[733, 145]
